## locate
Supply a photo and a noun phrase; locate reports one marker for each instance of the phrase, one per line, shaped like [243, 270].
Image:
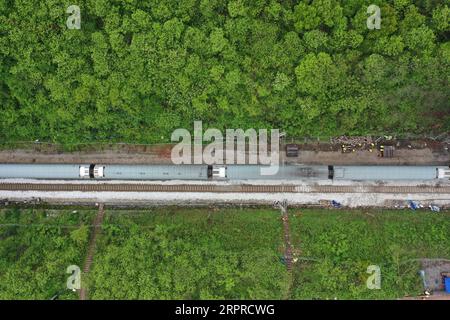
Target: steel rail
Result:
[242, 188]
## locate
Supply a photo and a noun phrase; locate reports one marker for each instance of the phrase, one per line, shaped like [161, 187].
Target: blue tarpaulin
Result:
[447, 284]
[413, 205]
[335, 204]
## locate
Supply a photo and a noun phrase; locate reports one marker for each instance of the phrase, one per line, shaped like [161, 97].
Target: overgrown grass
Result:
[36, 247]
[190, 254]
[341, 245]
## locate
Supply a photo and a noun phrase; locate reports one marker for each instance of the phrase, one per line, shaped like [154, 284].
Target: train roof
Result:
[156, 172]
[247, 172]
[40, 171]
[385, 172]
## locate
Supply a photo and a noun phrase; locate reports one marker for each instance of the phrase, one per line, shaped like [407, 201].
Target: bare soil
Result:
[407, 152]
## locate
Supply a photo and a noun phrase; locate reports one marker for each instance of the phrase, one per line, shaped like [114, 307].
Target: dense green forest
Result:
[188, 253]
[136, 69]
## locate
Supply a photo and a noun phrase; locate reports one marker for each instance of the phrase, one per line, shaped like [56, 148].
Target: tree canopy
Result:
[136, 70]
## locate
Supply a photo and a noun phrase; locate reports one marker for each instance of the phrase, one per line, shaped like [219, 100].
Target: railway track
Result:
[145, 188]
[374, 189]
[136, 187]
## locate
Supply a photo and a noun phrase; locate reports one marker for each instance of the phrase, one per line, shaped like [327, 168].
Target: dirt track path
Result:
[91, 248]
[288, 256]
[287, 240]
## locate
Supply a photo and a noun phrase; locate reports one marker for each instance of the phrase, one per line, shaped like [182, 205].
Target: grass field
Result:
[188, 253]
[341, 246]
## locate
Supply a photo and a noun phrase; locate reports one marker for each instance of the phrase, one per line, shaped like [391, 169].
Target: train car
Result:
[153, 172]
[219, 172]
[291, 172]
[106, 172]
[389, 172]
[40, 171]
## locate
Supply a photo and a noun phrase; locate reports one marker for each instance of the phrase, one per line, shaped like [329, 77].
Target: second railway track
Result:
[135, 187]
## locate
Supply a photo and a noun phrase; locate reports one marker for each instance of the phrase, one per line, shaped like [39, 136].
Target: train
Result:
[219, 172]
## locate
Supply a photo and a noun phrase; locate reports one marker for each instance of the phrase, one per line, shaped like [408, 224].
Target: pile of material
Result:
[351, 144]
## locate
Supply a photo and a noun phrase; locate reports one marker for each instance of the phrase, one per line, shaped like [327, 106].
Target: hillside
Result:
[136, 70]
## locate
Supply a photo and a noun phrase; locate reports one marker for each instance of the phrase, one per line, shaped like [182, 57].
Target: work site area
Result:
[383, 171]
[299, 225]
[368, 150]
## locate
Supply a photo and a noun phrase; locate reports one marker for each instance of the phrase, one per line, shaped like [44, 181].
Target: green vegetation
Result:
[190, 254]
[342, 246]
[182, 253]
[36, 247]
[138, 69]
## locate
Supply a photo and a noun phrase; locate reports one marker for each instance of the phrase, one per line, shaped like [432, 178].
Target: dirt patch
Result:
[358, 150]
